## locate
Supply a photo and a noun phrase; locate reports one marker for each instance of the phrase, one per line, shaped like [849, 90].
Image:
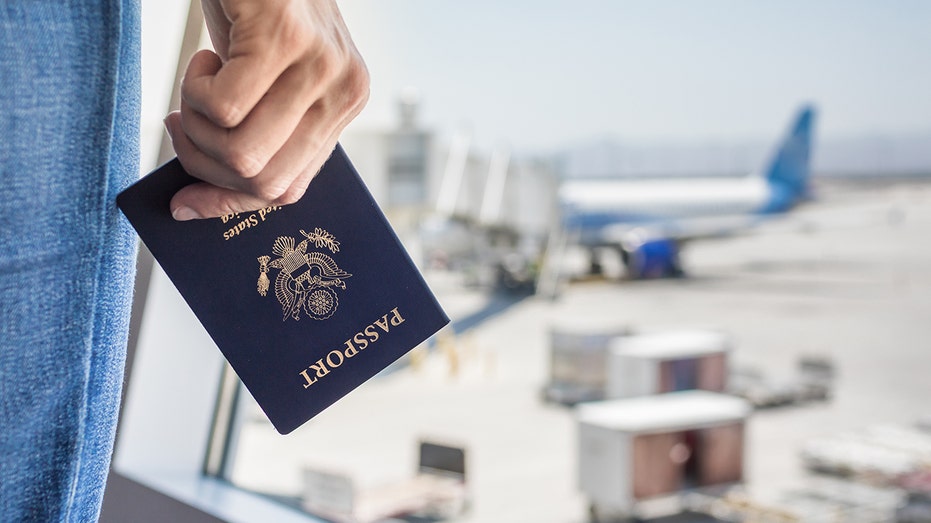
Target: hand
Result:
[260, 116]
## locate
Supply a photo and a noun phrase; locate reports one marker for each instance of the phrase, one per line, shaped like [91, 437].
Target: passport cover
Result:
[306, 301]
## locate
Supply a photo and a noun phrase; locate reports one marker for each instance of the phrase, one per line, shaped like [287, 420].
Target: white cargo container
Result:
[578, 360]
[634, 449]
[667, 361]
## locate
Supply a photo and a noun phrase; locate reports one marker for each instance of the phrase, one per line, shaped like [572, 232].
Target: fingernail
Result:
[183, 214]
[168, 129]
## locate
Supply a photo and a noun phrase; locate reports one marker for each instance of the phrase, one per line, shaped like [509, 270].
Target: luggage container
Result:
[632, 450]
[578, 361]
[660, 362]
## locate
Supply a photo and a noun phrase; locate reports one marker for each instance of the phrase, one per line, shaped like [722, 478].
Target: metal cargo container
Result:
[659, 362]
[578, 361]
[639, 448]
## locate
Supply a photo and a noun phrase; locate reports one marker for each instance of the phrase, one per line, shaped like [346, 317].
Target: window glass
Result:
[616, 202]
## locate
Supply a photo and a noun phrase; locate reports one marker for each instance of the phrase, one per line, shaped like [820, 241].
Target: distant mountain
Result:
[855, 156]
[877, 154]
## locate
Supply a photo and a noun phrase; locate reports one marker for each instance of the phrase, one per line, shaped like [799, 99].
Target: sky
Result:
[547, 74]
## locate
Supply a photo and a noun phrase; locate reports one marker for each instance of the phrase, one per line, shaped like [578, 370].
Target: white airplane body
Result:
[670, 198]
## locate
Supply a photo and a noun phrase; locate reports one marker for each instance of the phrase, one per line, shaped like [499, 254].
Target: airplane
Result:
[648, 221]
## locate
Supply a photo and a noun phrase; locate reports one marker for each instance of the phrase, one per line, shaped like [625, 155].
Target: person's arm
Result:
[260, 116]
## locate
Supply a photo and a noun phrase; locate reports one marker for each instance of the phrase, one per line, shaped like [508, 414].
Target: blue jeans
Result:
[69, 111]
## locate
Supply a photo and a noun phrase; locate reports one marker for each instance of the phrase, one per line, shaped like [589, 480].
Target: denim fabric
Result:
[69, 103]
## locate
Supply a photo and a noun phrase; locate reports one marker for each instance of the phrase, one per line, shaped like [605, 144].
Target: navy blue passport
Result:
[306, 301]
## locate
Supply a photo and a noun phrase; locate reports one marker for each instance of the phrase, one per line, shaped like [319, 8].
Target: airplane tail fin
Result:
[790, 168]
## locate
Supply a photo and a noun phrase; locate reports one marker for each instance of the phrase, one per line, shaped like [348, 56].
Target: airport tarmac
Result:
[845, 276]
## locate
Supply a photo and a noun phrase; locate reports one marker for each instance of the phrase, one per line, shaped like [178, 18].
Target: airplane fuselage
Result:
[633, 201]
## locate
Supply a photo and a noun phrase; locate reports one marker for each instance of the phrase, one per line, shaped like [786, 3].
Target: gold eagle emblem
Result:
[306, 280]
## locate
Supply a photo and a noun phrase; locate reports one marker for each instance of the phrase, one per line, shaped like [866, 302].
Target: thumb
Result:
[203, 200]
